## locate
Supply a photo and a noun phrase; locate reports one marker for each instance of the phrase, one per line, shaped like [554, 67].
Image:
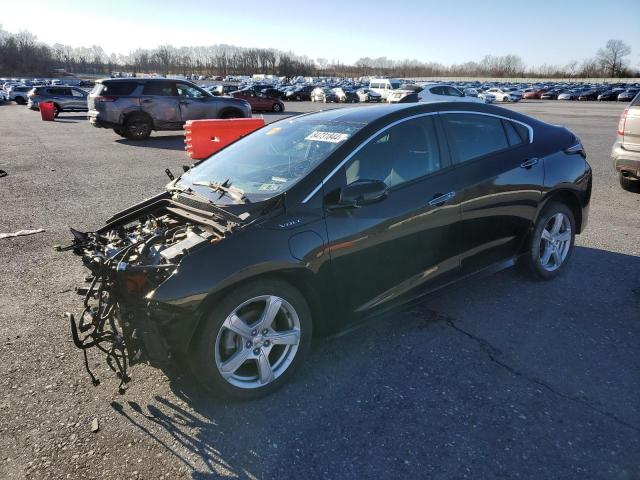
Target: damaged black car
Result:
[318, 221]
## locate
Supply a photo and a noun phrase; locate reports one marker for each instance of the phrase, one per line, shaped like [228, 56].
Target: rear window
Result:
[117, 88]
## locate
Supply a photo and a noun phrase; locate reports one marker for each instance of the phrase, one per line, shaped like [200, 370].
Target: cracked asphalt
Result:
[498, 377]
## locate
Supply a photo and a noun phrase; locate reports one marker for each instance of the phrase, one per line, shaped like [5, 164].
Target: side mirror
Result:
[362, 192]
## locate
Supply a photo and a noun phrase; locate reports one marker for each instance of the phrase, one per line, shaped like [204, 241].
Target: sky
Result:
[445, 31]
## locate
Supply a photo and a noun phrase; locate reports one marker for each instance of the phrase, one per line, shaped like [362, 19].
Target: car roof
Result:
[372, 114]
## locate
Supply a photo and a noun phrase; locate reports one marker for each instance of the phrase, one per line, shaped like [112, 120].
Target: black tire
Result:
[202, 358]
[119, 131]
[531, 260]
[21, 101]
[277, 107]
[56, 110]
[230, 114]
[629, 184]
[137, 127]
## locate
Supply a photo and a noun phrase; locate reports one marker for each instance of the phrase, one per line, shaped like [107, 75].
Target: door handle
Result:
[529, 163]
[440, 199]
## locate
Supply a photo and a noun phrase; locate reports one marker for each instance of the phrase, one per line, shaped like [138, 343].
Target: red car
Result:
[260, 101]
[534, 93]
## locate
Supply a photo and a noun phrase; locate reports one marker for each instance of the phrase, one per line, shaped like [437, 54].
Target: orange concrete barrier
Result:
[205, 137]
[47, 111]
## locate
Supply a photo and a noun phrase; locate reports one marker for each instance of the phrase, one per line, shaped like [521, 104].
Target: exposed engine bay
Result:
[128, 258]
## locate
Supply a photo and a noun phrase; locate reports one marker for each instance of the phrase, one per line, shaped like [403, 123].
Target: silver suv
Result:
[65, 99]
[18, 93]
[134, 107]
[626, 150]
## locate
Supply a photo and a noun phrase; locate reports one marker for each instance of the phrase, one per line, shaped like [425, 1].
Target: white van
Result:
[384, 86]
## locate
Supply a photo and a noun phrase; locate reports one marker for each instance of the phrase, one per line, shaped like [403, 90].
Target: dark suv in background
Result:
[135, 107]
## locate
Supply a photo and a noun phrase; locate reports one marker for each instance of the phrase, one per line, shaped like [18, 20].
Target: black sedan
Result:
[610, 95]
[316, 221]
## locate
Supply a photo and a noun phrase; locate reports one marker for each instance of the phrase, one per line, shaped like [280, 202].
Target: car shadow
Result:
[368, 396]
[165, 142]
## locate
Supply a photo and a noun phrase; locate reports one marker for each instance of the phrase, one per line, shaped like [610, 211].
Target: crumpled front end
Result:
[127, 260]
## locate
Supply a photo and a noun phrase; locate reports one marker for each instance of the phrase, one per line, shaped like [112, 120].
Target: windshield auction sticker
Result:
[330, 137]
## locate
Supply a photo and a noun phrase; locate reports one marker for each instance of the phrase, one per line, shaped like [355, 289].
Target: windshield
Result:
[272, 159]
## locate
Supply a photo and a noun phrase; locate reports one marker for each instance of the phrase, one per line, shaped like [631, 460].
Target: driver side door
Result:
[385, 252]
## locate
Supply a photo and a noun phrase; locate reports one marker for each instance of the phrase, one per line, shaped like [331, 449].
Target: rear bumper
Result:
[99, 123]
[624, 160]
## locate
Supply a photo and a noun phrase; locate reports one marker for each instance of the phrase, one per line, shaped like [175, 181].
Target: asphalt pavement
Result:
[498, 377]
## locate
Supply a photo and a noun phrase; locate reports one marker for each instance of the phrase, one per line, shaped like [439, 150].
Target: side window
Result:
[437, 90]
[188, 91]
[163, 89]
[77, 93]
[454, 92]
[471, 136]
[516, 133]
[402, 153]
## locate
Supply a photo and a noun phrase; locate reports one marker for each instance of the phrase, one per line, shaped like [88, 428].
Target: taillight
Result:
[105, 98]
[623, 121]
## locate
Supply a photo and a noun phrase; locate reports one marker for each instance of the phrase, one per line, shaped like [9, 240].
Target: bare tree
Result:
[612, 57]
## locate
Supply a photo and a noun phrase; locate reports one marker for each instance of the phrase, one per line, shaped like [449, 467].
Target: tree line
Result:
[22, 54]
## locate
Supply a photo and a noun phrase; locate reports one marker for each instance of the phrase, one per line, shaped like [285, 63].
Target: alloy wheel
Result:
[257, 342]
[555, 242]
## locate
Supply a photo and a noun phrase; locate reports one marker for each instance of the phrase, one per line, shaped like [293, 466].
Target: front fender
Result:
[179, 303]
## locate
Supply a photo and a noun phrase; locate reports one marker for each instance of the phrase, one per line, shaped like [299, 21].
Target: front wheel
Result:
[276, 107]
[551, 243]
[253, 340]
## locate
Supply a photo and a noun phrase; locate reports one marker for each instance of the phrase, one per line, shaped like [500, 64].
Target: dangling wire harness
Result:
[98, 320]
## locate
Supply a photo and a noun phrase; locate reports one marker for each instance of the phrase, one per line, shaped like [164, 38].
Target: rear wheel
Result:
[119, 131]
[20, 100]
[551, 243]
[137, 128]
[629, 184]
[276, 107]
[505, 98]
[253, 340]
[56, 110]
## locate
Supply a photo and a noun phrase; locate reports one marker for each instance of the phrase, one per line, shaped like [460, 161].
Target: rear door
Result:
[502, 178]
[195, 104]
[61, 96]
[384, 252]
[160, 101]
